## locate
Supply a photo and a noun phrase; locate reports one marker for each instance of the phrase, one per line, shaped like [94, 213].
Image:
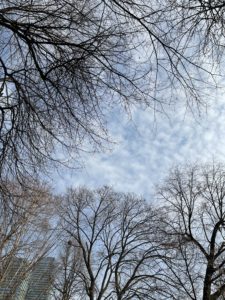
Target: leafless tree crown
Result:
[115, 239]
[26, 234]
[64, 64]
[195, 200]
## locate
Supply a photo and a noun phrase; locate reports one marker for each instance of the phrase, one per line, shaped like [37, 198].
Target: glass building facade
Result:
[18, 284]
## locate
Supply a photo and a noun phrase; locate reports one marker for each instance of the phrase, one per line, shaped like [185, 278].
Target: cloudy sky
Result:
[149, 144]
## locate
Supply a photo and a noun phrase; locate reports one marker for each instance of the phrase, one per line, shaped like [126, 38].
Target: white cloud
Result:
[147, 148]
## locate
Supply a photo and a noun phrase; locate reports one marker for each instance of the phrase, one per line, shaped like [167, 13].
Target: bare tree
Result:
[67, 283]
[202, 21]
[118, 244]
[26, 234]
[64, 64]
[195, 205]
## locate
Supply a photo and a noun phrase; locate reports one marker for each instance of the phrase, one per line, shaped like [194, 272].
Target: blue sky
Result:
[147, 144]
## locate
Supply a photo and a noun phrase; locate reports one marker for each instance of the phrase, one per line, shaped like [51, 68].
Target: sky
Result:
[147, 144]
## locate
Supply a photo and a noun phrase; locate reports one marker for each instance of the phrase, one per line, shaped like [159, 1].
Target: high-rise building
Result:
[18, 284]
[40, 280]
[13, 284]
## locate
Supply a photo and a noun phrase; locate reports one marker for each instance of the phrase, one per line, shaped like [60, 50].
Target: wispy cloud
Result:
[148, 146]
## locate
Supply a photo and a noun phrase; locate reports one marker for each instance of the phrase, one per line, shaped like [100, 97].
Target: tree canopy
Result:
[65, 64]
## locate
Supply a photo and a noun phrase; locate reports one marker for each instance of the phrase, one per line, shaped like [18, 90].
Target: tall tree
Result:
[26, 233]
[117, 239]
[195, 206]
[67, 283]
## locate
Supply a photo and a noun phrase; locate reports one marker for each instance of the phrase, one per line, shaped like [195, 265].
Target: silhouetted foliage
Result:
[114, 238]
[65, 64]
[26, 233]
[195, 203]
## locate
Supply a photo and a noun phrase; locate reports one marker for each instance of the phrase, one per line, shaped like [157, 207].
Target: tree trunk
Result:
[207, 282]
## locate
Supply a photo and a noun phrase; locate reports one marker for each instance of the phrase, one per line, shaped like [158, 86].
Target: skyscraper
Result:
[18, 284]
[14, 282]
[40, 280]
